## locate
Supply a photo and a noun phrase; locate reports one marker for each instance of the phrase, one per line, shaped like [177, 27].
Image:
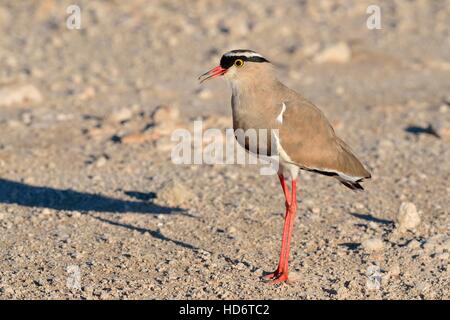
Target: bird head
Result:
[236, 64]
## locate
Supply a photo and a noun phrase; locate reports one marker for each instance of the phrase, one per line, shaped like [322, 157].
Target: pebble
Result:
[141, 137]
[164, 115]
[19, 94]
[26, 118]
[231, 230]
[394, 271]
[294, 276]
[240, 266]
[414, 244]
[442, 256]
[338, 53]
[46, 212]
[408, 218]
[204, 94]
[5, 17]
[76, 214]
[101, 161]
[315, 210]
[174, 194]
[121, 115]
[437, 244]
[373, 244]
[258, 272]
[8, 291]
[87, 93]
[373, 225]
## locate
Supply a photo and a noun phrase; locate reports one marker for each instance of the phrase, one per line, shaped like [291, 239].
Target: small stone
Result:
[373, 225]
[38, 282]
[87, 93]
[231, 230]
[121, 115]
[294, 276]
[8, 291]
[258, 272]
[141, 137]
[76, 214]
[164, 115]
[442, 256]
[338, 53]
[204, 94]
[2, 216]
[414, 244]
[443, 108]
[27, 118]
[408, 218]
[315, 210]
[422, 287]
[105, 295]
[437, 244]
[101, 161]
[88, 290]
[394, 271]
[174, 194]
[19, 94]
[46, 212]
[373, 244]
[310, 49]
[5, 17]
[342, 292]
[359, 206]
[240, 266]
[340, 91]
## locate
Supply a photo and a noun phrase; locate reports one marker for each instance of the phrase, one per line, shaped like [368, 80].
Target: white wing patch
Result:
[288, 168]
[340, 175]
[280, 116]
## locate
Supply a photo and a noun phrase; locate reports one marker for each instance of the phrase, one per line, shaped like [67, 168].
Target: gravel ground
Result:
[91, 206]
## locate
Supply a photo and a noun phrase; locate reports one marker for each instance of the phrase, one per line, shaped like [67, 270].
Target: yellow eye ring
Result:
[239, 63]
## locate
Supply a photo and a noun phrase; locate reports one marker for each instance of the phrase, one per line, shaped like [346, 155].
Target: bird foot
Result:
[276, 277]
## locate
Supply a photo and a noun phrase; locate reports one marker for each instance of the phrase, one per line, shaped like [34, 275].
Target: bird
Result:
[304, 138]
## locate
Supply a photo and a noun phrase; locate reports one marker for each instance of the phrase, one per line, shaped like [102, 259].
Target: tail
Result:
[355, 171]
[354, 185]
[344, 166]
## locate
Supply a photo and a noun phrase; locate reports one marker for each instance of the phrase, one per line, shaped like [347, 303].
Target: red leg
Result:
[281, 274]
[287, 198]
[285, 190]
[293, 212]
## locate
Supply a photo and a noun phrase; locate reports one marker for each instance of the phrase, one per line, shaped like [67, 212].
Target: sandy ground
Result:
[91, 206]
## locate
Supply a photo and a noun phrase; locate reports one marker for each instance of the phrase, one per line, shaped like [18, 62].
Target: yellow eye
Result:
[239, 63]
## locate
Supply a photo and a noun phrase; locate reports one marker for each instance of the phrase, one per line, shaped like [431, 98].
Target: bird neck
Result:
[249, 89]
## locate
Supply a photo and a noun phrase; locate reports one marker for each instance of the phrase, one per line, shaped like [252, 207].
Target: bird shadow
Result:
[418, 130]
[12, 192]
[143, 196]
[154, 233]
[369, 217]
[350, 245]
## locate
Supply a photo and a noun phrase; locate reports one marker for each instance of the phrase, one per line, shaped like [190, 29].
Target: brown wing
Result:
[311, 143]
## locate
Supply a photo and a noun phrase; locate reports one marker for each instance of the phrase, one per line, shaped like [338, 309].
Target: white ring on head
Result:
[247, 54]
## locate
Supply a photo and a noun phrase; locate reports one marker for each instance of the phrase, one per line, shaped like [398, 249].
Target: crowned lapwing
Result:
[304, 138]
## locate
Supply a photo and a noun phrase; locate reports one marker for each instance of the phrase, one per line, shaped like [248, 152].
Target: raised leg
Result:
[281, 274]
